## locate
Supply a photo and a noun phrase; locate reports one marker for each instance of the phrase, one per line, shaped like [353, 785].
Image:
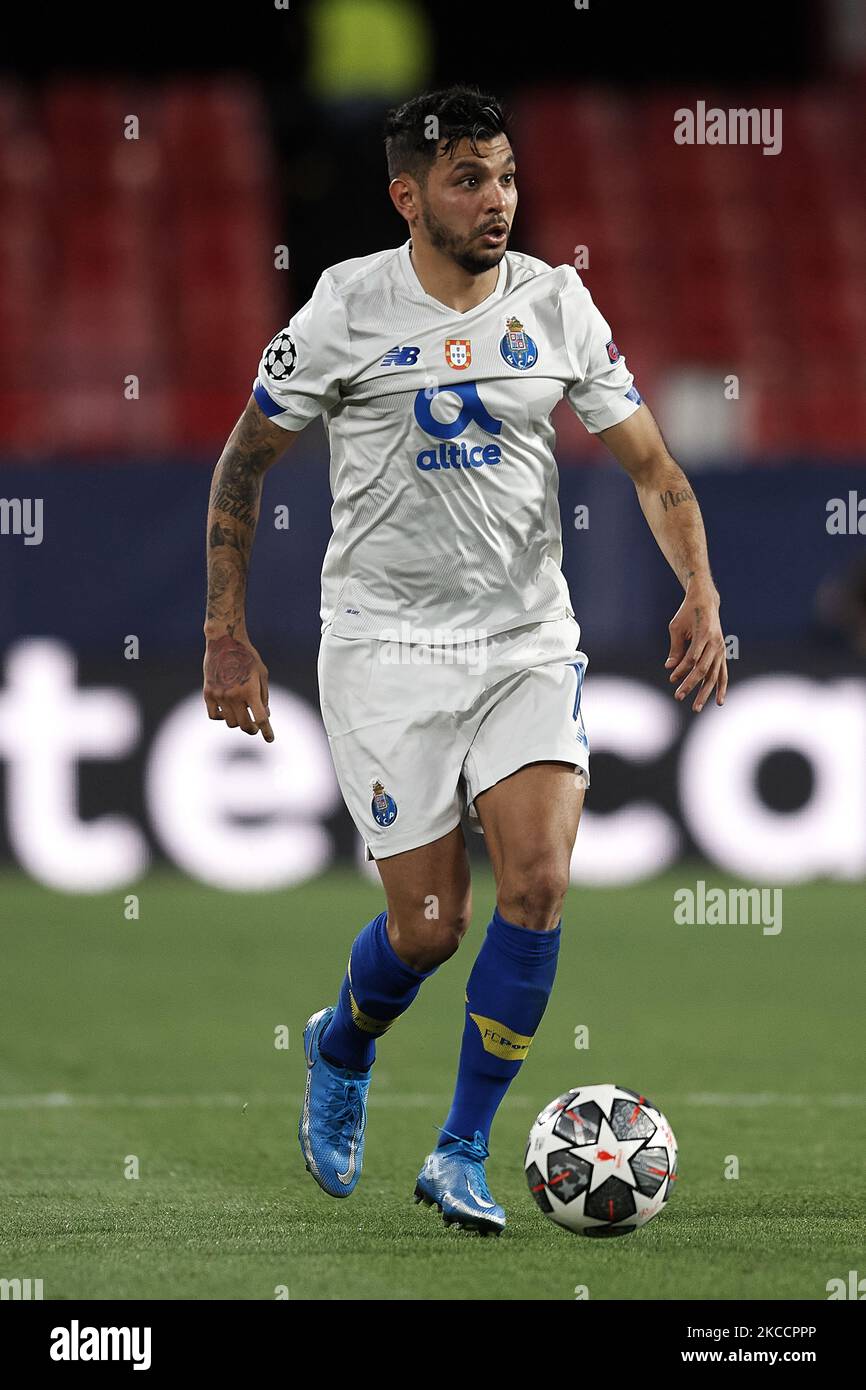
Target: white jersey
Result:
[445, 487]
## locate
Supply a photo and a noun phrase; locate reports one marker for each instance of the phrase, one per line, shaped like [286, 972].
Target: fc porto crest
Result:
[383, 806]
[458, 352]
[516, 347]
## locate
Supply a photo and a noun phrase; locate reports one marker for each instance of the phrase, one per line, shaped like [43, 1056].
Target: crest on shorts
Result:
[383, 806]
[458, 352]
[516, 347]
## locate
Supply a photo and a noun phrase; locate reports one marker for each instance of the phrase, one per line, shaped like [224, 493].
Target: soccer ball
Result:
[280, 356]
[601, 1160]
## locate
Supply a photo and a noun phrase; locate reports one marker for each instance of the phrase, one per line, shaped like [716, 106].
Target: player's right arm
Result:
[235, 677]
[300, 375]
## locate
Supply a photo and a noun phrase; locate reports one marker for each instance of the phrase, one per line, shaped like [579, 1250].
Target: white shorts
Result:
[417, 732]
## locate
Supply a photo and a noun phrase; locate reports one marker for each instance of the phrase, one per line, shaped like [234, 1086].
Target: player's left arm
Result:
[697, 655]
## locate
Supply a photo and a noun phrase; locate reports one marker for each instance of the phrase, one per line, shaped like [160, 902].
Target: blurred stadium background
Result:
[163, 211]
[142, 276]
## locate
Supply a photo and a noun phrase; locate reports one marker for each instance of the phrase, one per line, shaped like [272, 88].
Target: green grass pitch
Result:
[155, 1040]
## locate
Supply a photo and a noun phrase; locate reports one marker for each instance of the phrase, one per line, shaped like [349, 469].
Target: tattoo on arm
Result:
[229, 663]
[224, 535]
[236, 490]
[233, 512]
[673, 499]
[219, 607]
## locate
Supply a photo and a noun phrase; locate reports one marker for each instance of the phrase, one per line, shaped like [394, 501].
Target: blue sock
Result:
[506, 996]
[377, 988]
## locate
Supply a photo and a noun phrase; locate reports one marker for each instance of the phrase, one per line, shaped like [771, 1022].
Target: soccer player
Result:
[450, 672]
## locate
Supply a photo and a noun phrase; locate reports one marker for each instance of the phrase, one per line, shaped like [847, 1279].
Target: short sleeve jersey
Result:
[443, 476]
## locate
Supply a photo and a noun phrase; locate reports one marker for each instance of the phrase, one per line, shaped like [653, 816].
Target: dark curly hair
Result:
[462, 112]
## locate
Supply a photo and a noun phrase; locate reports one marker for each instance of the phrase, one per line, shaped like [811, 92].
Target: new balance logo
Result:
[400, 357]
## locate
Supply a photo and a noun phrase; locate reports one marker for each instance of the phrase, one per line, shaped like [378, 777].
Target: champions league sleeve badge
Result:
[516, 347]
[383, 806]
[280, 356]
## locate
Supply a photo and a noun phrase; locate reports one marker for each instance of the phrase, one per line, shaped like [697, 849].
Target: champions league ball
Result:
[280, 357]
[601, 1160]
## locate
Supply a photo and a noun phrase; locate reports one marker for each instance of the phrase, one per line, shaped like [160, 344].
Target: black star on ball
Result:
[280, 357]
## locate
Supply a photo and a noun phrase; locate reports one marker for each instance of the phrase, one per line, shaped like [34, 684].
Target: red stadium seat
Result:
[703, 254]
[148, 257]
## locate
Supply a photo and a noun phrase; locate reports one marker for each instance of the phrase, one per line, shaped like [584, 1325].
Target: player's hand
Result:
[236, 685]
[697, 654]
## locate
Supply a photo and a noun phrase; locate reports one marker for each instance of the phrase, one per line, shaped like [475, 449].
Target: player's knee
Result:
[532, 894]
[449, 930]
[456, 925]
[428, 938]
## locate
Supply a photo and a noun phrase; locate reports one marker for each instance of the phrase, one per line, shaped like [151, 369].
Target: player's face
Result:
[468, 205]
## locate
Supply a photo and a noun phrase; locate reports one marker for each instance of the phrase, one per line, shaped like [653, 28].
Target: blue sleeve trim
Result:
[265, 402]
